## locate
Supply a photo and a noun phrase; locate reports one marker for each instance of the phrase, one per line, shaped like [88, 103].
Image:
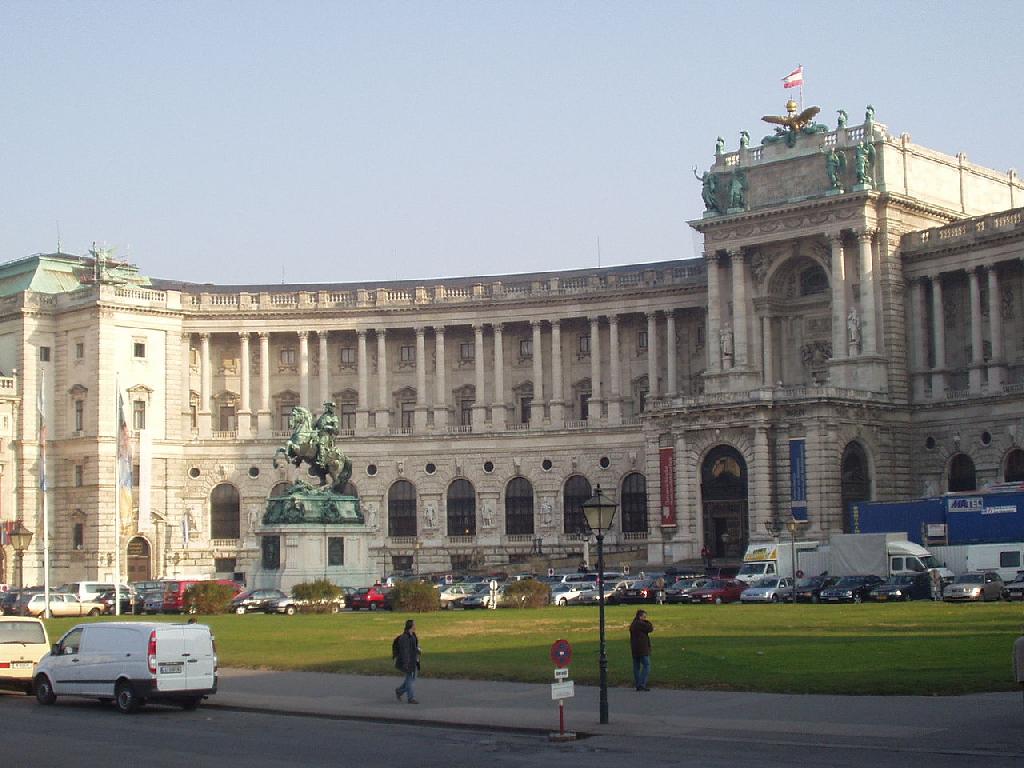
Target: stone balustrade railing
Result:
[960, 231]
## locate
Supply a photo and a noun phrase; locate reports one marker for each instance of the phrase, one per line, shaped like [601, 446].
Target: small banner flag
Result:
[794, 78]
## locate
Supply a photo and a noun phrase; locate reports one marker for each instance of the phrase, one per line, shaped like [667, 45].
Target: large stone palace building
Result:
[855, 330]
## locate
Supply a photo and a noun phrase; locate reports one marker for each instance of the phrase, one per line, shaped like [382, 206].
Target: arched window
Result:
[519, 507]
[961, 474]
[280, 489]
[224, 508]
[461, 508]
[402, 509]
[634, 503]
[1014, 471]
[349, 490]
[577, 490]
[856, 482]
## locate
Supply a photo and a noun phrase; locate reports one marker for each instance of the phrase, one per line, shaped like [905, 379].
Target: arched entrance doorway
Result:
[723, 483]
[139, 560]
[961, 474]
[856, 482]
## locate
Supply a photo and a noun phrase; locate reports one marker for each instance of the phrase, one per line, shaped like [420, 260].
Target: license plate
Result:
[172, 668]
[21, 665]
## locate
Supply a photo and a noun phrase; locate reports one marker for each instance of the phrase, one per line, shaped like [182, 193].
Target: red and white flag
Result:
[794, 78]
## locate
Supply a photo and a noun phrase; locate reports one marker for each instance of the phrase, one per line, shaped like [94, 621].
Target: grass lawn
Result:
[918, 648]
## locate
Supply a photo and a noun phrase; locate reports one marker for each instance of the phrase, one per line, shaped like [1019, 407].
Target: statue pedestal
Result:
[307, 552]
[862, 187]
[833, 192]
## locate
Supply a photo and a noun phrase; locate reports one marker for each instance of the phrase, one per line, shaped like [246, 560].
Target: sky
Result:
[258, 142]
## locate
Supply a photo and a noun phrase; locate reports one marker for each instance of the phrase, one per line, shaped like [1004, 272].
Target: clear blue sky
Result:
[243, 142]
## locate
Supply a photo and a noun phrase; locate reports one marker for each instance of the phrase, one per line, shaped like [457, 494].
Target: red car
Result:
[719, 591]
[370, 598]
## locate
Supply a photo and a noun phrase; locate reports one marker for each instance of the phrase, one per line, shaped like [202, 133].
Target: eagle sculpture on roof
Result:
[791, 120]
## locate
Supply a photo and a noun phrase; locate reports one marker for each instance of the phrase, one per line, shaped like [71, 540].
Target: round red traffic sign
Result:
[799, 574]
[561, 653]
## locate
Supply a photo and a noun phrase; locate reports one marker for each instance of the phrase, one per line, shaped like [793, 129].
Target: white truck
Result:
[845, 554]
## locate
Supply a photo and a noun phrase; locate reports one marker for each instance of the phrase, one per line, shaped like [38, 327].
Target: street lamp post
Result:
[21, 537]
[774, 528]
[600, 511]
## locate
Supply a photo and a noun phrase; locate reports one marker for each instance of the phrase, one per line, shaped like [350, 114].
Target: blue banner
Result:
[798, 478]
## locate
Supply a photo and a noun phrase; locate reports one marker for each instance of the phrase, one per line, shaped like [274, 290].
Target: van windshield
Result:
[21, 632]
[753, 569]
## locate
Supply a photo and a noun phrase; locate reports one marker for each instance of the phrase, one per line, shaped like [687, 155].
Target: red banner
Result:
[667, 459]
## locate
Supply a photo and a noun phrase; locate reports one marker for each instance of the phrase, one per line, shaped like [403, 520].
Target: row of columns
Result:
[499, 402]
[921, 335]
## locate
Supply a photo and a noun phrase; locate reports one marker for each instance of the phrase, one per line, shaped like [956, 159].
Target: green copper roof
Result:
[57, 273]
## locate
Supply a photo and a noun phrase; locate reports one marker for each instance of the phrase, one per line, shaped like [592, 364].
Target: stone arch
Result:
[575, 491]
[1013, 466]
[402, 509]
[461, 508]
[855, 480]
[961, 474]
[724, 488]
[225, 512]
[519, 506]
[139, 557]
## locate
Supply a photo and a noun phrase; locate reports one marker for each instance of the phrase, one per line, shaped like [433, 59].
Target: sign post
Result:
[562, 688]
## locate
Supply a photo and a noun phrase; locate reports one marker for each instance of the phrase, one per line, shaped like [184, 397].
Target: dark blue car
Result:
[908, 586]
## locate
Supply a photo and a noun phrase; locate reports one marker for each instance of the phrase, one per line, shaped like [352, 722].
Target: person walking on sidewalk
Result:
[406, 652]
[640, 644]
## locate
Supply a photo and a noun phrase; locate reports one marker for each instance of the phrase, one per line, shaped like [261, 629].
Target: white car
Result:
[453, 595]
[62, 604]
[574, 594]
[768, 591]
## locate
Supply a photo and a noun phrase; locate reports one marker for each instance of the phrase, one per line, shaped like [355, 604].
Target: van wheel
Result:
[191, 703]
[44, 690]
[94, 612]
[124, 696]
[290, 610]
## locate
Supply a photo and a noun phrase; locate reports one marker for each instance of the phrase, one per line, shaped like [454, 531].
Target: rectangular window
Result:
[525, 406]
[641, 339]
[284, 416]
[466, 412]
[1009, 559]
[139, 349]
[79, 415]
[467, 351]
[79, 350]
[287, 356]
[584, 345]
[526, 347]
[138, 415]
[135, 475]
[408, 415]
[347, 418]
[228, 423]
[584, 406]
[44, 354]
[225, 564]
[193, 416]
[642, 394]
[700, 335]
[78, 535]
[348, 355]
[335, 550]
[407, 354]
[78, 475]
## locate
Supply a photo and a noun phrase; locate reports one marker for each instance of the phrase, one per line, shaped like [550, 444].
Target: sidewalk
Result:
[985, 723]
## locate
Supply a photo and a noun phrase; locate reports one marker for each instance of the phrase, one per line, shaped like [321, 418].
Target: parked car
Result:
[23, 642]
[371, 598]
[771, 590]
[90, 590]
[143, 590]
[718, 591]
[850, 589]
[289, 605]
[483, 598]
[681, 591]
[62, 604]
[809, 590]
[643, 591]
[573, 593]
[978, 586]
[8, 600]
[153, 602]
[161, 662]
[106, 599]
[174, 593]
[255, 600]
[453, 595]
[1014, 590]
[905, 586]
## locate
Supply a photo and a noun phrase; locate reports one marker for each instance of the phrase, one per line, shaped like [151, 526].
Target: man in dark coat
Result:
[406, 652]
[640, 644]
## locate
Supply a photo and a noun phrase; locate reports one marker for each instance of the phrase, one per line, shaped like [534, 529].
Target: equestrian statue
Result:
[313, 443]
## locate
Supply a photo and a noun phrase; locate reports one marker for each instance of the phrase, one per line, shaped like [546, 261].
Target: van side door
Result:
[66, 663]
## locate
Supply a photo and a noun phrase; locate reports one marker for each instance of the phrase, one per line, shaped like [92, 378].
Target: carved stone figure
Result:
[744, 139]
[430, 515]
[371, 516]
[835, 164]
[843, 117]
[546, 514]
[725, 339]
[709, 188]
[737, 190]
[487, 514]
[719, 146]
[853, 328]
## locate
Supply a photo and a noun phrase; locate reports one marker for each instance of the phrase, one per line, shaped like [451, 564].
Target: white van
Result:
[90, 590]
[22, 643]
[131, 664]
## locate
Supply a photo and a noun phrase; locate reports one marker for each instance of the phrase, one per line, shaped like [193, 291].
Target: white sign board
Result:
[562, 674]
[563, 690]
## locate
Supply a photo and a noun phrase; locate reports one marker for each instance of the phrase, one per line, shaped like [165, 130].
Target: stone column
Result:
[652, 354]
[480, 399]
[265, 418]
[557, 395]
[839, 311]
[997, 364]
[363, 407]
[440, 369]
[917, 351]
[537, 408]
[324, 379]
[304, 369]
[594, 406]
[975, 376]
[205, 386]
[245, 424]
[762, 501]
[383, 395]
[739, 309]
[939, 336]
[869, 320]
[615, 365]
[714, 316]
[671, 353]
[421, 380]
[498, 414]
[768, 351]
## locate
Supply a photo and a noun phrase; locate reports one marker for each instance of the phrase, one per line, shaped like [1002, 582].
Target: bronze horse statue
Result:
[316, 448]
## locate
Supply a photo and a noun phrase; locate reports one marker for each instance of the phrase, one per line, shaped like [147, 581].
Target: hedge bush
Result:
[320, 590]
[209, 597]
[526, 593]
[415, 596]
